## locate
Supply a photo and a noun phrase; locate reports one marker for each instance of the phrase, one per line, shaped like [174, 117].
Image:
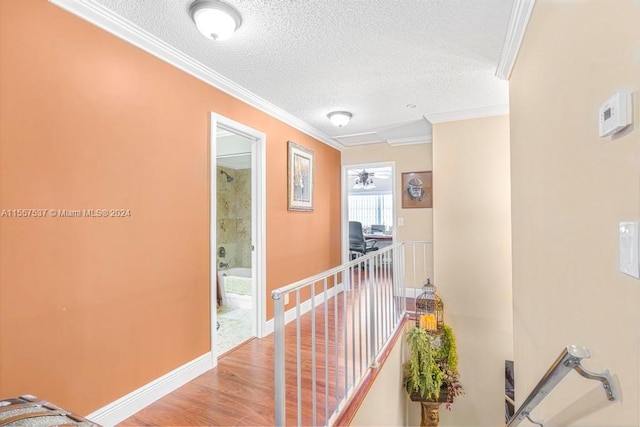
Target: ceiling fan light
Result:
[215, 19]
[370, 184]
[364, 181]
[340, 118]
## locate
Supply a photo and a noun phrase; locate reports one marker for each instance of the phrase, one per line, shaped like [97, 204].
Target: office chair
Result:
[357, 242]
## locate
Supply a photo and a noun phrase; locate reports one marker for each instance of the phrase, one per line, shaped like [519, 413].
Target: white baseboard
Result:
[121, 409]
[305, 307]
[126, 406]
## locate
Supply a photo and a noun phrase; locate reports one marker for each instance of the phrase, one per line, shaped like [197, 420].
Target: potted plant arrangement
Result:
[432, 371]
[431, 375]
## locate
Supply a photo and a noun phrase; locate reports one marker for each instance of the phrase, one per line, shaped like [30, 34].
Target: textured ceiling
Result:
[369, 57]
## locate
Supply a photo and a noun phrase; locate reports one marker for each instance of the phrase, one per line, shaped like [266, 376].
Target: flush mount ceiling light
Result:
[215, 19]
[340, 118]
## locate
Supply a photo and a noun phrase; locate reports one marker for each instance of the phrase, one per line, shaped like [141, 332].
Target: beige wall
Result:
[570, 191]
[472, 259]
[386, 402]
[418, 223]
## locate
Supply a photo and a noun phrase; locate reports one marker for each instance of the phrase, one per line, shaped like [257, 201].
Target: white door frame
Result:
[345, 200]
[258, 221]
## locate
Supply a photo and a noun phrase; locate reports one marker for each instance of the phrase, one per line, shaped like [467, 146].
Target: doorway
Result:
[369, 198]
[238, 292]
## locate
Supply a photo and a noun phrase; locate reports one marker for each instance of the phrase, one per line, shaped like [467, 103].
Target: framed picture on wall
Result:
[300, 178]
[417, 190]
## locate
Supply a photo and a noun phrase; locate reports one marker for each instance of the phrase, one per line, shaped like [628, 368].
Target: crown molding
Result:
[426, 139]
[355, 135]
[104, 18]
[471, 113]
[374, 138]
[520, 15]
[358, 144]
[356, 139]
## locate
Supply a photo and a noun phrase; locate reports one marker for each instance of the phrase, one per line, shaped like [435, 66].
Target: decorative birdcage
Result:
[429, 310]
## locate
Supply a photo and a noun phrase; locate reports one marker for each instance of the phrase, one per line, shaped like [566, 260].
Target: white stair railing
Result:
[354, 309]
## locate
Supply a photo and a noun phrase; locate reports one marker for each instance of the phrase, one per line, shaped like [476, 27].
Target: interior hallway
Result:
[240, 390]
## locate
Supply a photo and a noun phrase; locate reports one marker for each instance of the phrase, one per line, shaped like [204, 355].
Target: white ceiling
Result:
[369, 57]
[235, 161]
[233, 151]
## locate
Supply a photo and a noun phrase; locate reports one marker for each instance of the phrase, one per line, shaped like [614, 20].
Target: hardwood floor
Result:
[240, 390]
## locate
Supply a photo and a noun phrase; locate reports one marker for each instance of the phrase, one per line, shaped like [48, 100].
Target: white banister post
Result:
[279, 360]
[372, 310]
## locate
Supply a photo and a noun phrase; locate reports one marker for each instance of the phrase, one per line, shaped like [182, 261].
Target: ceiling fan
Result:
[364, 178]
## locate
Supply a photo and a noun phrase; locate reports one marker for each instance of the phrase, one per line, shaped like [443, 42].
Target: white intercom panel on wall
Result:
[629, 247]
[616, 113]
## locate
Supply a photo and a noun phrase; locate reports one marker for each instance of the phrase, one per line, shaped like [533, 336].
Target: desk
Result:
[384, 240]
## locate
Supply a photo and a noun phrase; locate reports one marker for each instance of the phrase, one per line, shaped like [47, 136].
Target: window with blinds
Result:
[371, 209]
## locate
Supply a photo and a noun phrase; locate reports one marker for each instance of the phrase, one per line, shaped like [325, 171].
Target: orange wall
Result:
[91, 309]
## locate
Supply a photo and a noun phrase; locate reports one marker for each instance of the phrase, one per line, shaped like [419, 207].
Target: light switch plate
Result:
[629, 262]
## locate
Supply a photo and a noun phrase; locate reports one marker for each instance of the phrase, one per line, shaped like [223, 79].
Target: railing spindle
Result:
[336, 343]
[346, 342]
[376, 294]
[326, 351]
[353, 334]
[383, 288]
[314, 400]
[280, 391]
[298, 359]
[360, 320]
[388, 299]
[415, 276]
[372, 313]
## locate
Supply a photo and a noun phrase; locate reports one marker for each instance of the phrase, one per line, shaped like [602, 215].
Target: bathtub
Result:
[236, 287]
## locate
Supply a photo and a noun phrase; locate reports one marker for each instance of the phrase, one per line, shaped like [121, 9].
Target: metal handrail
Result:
[568, 360]
[277, 293]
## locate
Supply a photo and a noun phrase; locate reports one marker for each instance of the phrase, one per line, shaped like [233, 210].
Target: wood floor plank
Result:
[240, 390]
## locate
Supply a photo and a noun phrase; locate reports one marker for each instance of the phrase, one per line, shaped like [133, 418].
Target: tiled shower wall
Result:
[234, 217]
